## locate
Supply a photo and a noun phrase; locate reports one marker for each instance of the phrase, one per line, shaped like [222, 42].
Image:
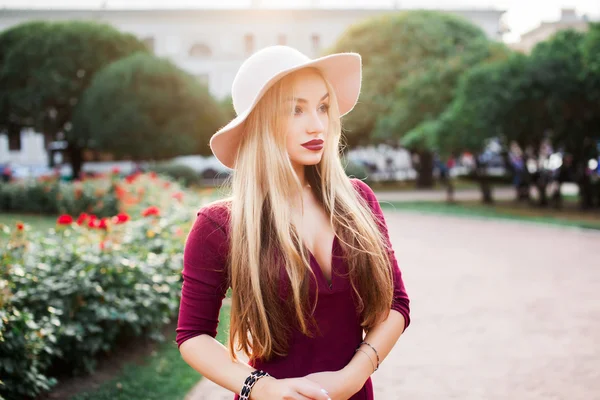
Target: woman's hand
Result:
[269, 388]
[336, 383]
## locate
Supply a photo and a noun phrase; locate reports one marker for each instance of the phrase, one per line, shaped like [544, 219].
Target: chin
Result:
[311, 160]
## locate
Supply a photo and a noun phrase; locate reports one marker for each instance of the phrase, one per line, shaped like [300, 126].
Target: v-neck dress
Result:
[205, 282]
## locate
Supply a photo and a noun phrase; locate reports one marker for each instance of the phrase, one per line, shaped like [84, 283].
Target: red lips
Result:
[314, 142]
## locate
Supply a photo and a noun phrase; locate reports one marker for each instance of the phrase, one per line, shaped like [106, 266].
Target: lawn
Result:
[161, 375]
[569, 216]
[37, 221]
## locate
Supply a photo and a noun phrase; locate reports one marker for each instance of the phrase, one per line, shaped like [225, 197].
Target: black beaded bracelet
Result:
[249, 383]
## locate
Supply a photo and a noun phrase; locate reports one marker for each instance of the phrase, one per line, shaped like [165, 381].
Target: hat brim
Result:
[342, 70]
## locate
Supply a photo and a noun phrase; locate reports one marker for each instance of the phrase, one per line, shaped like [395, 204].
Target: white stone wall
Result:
[32, 150]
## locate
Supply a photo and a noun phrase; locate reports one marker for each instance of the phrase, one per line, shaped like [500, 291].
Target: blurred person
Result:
[6, 173]
[304, 248]
[565, 173]
[584, 174]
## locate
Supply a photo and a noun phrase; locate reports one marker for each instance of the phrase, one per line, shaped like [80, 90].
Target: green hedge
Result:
[183, 174]
[59, 197]
[73, 292]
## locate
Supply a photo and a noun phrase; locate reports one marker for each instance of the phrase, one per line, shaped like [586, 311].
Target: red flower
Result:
[116, 170]
[81, 219]
[153, 175]
[152, 210]
[102, 245]
[102, 224]
[166, 185]
[20, 226]
[178, 196]
[64, 219]
[131, 178]
[93, 222]
[121, 218]
[120, 192]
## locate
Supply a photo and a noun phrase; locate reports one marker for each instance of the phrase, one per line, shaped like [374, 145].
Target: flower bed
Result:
[77, 290]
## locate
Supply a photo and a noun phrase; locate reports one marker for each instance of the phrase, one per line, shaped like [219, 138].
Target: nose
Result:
[315, 124]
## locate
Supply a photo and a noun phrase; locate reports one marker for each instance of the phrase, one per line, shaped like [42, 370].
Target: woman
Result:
[304, 248]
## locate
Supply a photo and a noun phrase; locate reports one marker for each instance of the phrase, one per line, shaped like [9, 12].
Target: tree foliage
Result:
[547, 94]
[9, 38]
[145, 107]
[45, 73]
[405, 53]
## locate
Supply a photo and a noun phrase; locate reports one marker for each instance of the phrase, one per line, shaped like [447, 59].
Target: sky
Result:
[521, 15]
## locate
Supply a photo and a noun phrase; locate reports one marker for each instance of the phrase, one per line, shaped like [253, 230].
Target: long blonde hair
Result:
[265, 247]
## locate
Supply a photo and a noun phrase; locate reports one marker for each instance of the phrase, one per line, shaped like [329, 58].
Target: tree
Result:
[403, 53]
[526, 100]
[591, 49]
[46, 73]
[145, 108]
[9, 38]
[227, 106]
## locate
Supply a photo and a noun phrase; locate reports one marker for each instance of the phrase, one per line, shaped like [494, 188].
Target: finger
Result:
[298, 396]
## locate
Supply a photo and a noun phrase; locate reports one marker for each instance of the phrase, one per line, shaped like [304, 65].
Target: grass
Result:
[507, 210]
[37, 221]
[163, 375]
[459, 184]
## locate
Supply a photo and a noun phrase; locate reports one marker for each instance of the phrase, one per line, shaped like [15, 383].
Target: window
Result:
[281, 40]
[249, 44]
[316, 43]
[14, 141]
[200, 50]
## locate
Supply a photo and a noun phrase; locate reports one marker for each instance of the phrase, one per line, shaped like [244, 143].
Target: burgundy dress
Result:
[205, 283]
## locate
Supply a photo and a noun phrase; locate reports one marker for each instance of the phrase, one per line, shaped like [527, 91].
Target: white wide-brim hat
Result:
[265, 67]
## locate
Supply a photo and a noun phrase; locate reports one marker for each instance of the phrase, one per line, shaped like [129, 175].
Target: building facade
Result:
[568, 20]
[211, 44]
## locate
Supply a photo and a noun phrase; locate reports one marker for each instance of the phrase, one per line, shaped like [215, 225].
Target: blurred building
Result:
[211, 44]
[568, 20]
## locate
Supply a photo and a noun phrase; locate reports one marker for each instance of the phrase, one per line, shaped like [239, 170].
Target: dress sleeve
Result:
[401, 302]
[205, 279]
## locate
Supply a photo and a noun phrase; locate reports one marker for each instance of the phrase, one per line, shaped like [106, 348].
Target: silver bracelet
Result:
[376, 353]
[369, 357]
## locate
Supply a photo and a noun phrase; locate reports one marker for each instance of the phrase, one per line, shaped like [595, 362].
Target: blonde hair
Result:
[266, 247]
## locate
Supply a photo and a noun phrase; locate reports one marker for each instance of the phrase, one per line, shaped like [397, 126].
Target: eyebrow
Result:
[300, 100]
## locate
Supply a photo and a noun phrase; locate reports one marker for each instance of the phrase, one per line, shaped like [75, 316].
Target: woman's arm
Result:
[384, 335]
[204, 287]
[211, 359]
[344, 383]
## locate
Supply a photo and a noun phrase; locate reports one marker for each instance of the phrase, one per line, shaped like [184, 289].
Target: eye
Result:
[297, 110]
[324, 108]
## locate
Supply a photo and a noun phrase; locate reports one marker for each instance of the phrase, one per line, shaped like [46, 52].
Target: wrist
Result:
[259, 389]
[356, 374]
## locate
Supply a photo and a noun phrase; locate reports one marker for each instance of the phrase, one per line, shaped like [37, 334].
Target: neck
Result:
[300, 174]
